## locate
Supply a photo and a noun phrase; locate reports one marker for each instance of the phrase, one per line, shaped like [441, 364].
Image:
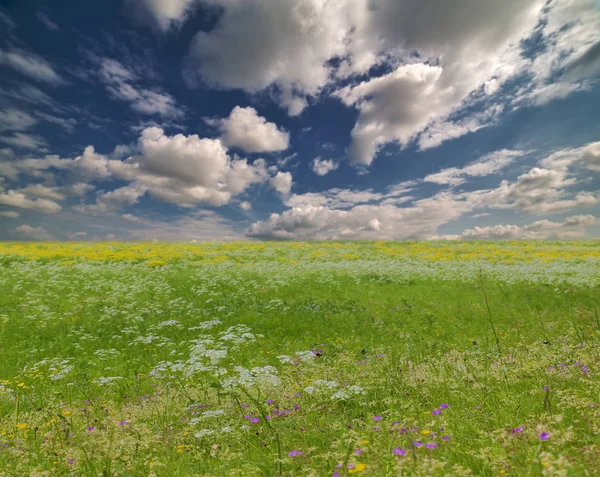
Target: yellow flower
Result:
[66, 413]
[21, 425]
[363, 442]
[425, 433]
[358, 468]
[545, 464]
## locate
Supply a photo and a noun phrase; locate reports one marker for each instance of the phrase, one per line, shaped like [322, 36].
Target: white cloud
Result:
[260, 43]
[18, 199]
[282, 182]
[180, 169]
[362, 222]
[245, 205]
[10, 214]
[587, 156]
[120, 83]
[289, 45]
[447, 62]
[322, 167]
[573, 227]
[67, 124]
[114, 200]
[24, 141]
[163, 14]
[43, 192]
[34, 233]
[489, 164]
[31, 65]
[245, 129]
[48, 23]
[201, 225]
[12, 119]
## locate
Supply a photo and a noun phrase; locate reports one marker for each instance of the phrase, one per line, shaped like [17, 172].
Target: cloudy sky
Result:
[299, 119]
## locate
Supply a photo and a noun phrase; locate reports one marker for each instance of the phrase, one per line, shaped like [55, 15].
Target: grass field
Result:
[297, 359]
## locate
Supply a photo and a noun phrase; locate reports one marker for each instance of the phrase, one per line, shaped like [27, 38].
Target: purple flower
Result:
[294, 453]
[296, 406]
[268, 418]
[518, 429]
[431, 445]
[377, 418]
[436, 412]
[444, 406]
[255, 420]
[269, 401]
[247, 417]
[91, 428]
[398, 451]
[417, 443]
[377, 428]
[244, 405]
[358, 451]
[336, 474]
[123, 422]
[445, 438]
[545, 388]
[544, 436]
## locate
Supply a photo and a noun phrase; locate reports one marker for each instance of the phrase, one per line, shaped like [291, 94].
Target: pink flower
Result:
[398, 451]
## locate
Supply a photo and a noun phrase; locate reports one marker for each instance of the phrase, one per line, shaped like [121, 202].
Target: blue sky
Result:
[299, 119]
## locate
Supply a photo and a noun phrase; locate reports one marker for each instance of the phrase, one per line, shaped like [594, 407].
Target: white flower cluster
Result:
[345, 394]
[205, 325]
[300, 356]
[108, 380]
[264, 377]
[321, 385]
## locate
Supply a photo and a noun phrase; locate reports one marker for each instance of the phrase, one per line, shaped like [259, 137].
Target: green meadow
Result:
[292, 359]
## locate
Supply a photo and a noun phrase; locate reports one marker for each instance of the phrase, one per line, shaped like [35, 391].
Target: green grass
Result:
[127, 369]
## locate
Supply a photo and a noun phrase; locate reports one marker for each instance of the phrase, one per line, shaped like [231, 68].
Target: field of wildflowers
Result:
[300, 359]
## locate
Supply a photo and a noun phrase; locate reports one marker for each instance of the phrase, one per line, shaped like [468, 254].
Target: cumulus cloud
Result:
[180, 169]
[289, 45]
[573, 227]
[31, 65]
[162, 14]
[245, 205]
[446, 63]
[362, 222]
[245, 129]
[282, 182]
[259, 43]
[34, 233]
[323, 167]
[12, 198]
[114, 200]
[366, 214]
[10, 214]
[491, 163]
[587, 156]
